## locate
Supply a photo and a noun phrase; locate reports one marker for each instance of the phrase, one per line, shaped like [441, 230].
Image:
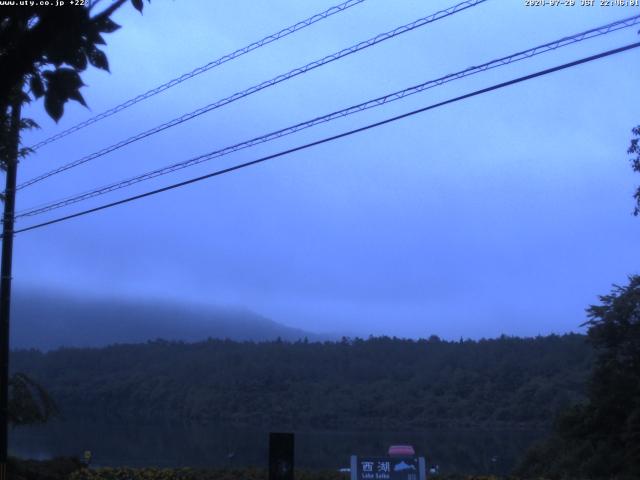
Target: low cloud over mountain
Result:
[48, 321]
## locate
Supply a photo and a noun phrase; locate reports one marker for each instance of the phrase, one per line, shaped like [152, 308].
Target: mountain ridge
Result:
[46, 321]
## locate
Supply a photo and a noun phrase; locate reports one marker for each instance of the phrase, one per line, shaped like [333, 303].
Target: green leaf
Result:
[63, 79]
[98, 59]
[107, 25]
[36, 85]
[137, 4]
[94, 37]
[63, 84]
[54, 105]
[24, 97]
[77, 96]
[24, 152]
[28, 124]
[78, 60]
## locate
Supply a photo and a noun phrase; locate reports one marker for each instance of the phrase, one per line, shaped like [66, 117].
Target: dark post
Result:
[281, 456]
[11, 163]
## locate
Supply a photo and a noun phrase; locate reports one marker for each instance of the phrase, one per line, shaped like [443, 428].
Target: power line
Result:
[336, 137]
[204, 68]
[256, 88]
[594, 32]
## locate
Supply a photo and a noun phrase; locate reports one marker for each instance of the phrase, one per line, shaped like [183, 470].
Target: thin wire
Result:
[335, 137]
[603, 30]
[204, 68]
[256, 88]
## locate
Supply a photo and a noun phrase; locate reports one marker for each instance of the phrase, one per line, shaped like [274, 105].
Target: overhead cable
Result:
[261, 86]
[204, 68]
[594, 32]
[334, 137]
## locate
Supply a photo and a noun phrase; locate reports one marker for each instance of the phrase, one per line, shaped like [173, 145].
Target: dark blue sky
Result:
[506, 213]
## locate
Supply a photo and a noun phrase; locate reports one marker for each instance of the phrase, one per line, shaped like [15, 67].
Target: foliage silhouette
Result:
[379, 383]
[601, 438]
[634, 148]
[47, 48]
[29, 403]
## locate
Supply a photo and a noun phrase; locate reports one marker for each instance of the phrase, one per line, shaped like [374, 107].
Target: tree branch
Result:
[107, 12]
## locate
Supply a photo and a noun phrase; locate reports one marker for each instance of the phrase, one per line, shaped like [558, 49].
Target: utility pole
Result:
[11, 164]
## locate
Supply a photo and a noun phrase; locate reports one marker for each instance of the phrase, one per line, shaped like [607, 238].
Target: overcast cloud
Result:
[506, 213]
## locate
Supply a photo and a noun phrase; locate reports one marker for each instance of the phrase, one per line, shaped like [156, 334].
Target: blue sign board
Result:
[387, 468]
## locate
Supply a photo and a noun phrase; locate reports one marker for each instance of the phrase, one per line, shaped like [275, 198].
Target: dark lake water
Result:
[459, 451]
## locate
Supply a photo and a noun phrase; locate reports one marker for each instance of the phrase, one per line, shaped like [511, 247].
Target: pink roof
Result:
[401, 451]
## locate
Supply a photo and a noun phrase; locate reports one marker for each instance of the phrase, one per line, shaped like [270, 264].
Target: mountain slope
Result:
[48, 321]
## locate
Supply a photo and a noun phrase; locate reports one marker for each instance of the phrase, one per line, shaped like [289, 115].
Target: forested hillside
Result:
[380, 383]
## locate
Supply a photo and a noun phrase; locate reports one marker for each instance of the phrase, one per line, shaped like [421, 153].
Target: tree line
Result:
[380, 382]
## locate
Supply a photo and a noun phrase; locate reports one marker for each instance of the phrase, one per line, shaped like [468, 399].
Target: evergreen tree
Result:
[601, 438]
